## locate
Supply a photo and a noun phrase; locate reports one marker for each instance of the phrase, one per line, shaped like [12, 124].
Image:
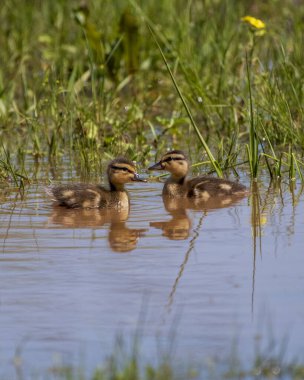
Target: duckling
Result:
[81, 195]
[203, 187]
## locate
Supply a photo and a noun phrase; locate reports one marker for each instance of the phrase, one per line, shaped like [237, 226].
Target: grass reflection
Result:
[263, 206]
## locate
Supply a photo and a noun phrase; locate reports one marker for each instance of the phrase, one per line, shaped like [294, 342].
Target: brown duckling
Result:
[81, 195]
[202, 187]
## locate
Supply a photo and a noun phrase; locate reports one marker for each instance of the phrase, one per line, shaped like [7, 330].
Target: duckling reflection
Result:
[123, 239]
[215, 202]
[80, 217]
[178, 228]
[120, 237]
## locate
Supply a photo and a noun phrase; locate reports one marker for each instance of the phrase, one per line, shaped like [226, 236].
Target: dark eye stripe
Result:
[123, 168]
[173, 159]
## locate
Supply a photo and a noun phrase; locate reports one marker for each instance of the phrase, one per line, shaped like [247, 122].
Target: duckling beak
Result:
[138, 179]
[157, 166]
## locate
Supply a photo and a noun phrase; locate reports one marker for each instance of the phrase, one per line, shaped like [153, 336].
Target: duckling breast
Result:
[174, 190]
[77, 195]
[119, 200]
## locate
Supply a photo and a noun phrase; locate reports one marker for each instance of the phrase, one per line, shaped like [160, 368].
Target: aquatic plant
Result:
[213, 161]
[88, 82]
[9, 173]
[119, 366]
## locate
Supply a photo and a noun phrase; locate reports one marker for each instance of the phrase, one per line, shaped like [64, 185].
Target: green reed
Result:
[253, 147]
[9, 173]
[213, 161]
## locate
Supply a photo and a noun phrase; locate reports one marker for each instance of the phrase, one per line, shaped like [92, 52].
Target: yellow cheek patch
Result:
[205, 195]
[225, 186]
[86, 204]
[97, 200]
[226, 201]
[68, 193]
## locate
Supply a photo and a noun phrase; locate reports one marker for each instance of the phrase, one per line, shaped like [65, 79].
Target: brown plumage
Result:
[80, 195]
[203, 187]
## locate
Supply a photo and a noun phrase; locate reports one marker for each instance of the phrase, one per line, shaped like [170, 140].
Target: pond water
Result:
[189, 282]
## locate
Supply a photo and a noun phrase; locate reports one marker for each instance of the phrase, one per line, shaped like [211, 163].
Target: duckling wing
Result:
[78, 195]
[207, 187]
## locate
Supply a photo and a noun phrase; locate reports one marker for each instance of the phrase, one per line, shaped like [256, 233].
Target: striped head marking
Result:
[121, 171]
[175, 162]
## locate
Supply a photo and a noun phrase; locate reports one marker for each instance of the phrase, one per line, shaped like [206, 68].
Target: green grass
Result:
[119, 366]
[9, 172]
[88, 83]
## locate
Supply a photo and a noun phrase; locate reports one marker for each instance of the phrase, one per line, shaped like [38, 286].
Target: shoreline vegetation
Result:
[268, 363]
[88, 81]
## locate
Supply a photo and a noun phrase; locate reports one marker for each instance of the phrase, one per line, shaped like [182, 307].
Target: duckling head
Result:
[174, 162]
[121, 171]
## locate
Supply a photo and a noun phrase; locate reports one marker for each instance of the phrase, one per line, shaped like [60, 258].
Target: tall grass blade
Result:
[277, 166]
[292, 175]
[297, 167]
[213, 161]
[253, 154]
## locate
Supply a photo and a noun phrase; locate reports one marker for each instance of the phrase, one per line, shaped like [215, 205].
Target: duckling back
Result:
[81, 195]
[208, 187]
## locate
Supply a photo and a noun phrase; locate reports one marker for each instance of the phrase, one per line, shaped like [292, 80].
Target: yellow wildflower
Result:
[255, 22]
[263, 219]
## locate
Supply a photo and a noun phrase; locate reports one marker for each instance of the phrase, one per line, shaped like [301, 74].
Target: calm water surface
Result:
[191, 282]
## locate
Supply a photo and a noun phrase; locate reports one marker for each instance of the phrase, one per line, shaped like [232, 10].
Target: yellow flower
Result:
[263, 219]
[255, 22]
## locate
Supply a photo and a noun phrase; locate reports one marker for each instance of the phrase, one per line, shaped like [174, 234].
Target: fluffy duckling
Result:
[203, 187]
[81, 195]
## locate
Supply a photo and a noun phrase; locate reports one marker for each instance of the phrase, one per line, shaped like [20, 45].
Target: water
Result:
[190, 282]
